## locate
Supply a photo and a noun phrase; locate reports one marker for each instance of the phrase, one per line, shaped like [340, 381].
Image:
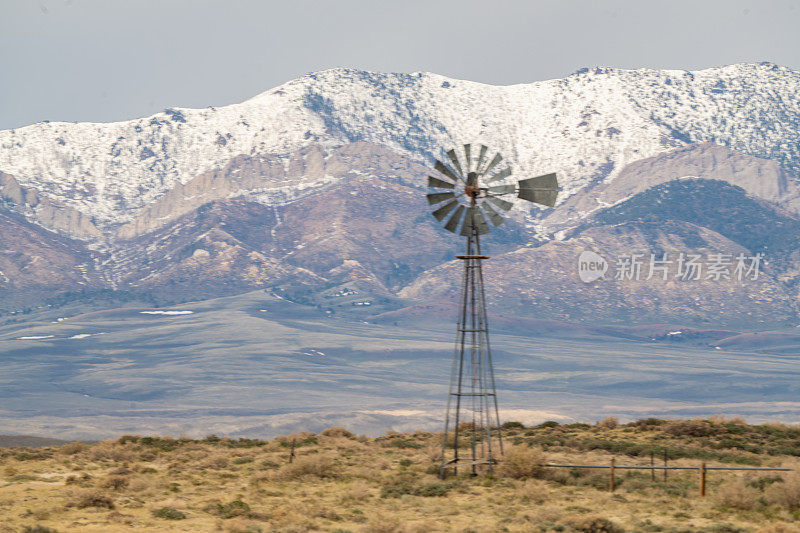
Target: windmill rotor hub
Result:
[465, 179]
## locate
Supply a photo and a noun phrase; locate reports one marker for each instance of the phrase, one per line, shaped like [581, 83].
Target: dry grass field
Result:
[339, 482]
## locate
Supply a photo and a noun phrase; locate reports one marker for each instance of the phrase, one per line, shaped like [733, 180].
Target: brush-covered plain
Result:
[340, 482]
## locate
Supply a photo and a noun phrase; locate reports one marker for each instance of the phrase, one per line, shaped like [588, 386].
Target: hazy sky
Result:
[104, 60]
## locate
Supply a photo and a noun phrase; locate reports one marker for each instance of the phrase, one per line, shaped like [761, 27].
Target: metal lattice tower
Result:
[472, 423]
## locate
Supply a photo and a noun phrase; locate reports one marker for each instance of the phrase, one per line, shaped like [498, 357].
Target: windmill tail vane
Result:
[466, 196]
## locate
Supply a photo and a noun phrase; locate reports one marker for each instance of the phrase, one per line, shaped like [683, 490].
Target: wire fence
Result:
[702, 468]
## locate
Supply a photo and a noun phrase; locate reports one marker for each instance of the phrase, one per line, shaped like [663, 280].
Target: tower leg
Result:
[472, 409]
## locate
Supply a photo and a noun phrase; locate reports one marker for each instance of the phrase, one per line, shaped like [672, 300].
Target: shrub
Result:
[72, 448]
[116, 482]
[610, 422]
[125, 439]
[433, 489]
[763, 482]
[530, 491]
[433, 451]
[737, 495]
[168, 513]
[84, 479]
[105, 451]
[304, 438]
[230, 509]
[321, 466]
[165, 444]
[521, 462]
[690, 428]
[786, 494]
[591, 524]
[648, 423]
[38, 529]
[512, 424]
[91, 499]
[463, 439]
[338, 432]
[735, 420]
[402, 486]
[577, 425]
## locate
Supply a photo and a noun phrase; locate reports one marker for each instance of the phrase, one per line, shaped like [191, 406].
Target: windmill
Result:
[465, 195]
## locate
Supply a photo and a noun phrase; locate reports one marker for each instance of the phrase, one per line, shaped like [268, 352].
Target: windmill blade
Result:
[452, 224]
[481, 159]
[474, 219]
[480, 221]
[467, 150]
[441, 167]
[437, 197]
[441, 184]
[542, 190]
[502, 189]
[454, 158]
[500, 175]
[494, 216]
[493, 163]
[502, 204]
[445, 210]
[469, 219]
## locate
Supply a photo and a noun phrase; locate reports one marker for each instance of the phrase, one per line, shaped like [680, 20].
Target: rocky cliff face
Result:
[45, 212]
[762, 178]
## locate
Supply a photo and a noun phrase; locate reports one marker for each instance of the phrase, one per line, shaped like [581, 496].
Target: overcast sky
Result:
[105, 60]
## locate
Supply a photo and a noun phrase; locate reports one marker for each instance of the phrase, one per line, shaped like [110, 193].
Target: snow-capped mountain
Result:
[314, 191]
[586, 127]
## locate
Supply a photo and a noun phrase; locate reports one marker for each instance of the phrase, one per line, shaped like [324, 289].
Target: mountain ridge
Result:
[318, 193]
[584, 126]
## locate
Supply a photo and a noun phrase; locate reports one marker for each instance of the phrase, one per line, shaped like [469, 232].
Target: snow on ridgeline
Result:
[584, 126]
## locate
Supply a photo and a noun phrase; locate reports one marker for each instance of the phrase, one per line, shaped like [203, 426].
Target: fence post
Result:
[611, 476]
[702, 479]
[652, 470]
[291, 454]
[665, 465]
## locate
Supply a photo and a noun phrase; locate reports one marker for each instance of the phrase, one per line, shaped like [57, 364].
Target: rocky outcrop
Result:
[29, 202]
[762, 178]
[274, 180]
